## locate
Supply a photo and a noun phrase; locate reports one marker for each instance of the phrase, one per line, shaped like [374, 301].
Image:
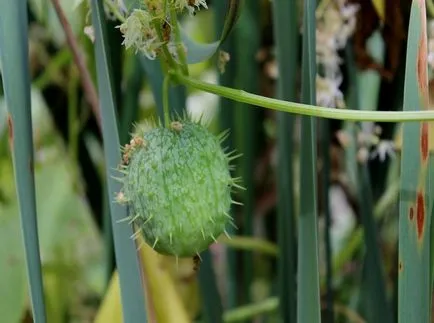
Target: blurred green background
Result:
[360, 62]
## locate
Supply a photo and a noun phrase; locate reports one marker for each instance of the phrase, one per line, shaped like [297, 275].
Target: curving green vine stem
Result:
[303, 109]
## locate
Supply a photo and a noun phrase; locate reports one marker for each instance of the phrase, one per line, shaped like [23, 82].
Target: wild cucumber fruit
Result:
[177, 185]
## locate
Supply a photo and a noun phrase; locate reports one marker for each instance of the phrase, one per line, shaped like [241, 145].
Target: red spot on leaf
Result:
[422, 59]
[420, 214]
[11, 130]
[411, 214]
[424, 141]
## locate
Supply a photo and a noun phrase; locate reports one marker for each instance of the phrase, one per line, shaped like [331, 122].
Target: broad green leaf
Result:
[416, 201]
[14, 56]
[13, 282]
[127, 258]
[198, 52]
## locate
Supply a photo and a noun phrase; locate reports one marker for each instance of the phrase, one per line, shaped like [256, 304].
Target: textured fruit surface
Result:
[178, 187]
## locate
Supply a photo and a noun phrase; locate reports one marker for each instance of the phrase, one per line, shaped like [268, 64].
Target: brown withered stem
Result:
[86, 81]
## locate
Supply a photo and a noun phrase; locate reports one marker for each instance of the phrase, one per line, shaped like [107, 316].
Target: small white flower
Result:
[328, 92]
[384, 148]
[190, 5]
[334, 26]
[90, 32]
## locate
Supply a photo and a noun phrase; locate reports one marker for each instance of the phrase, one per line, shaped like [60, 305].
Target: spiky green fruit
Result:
[177, 185]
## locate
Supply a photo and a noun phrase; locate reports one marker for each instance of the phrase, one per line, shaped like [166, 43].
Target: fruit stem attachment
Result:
[178, 41]
[302, 109]
[166, 100]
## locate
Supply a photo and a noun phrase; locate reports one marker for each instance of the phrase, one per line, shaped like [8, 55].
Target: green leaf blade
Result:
[286, 35]
[16, 83]
[308, 301]
[414, 292]
[199, 52]
[127, 259]
[227, 121]
[248, 44]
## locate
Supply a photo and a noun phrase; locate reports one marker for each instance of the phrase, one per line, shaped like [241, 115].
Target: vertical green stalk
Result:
[287, 41]
[247, 35]
[16, 83]
[155, 77]
[127, 259]
[377, 307]
[308, 309]
[212, 306]
[325, 181]
[226, 121]
[414, 290]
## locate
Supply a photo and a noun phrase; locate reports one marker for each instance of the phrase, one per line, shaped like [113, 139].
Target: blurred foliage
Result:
[70, 167]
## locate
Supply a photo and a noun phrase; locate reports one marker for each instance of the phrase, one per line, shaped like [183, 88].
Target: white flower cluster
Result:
[140, 34]
[139, 28]
[335, 24]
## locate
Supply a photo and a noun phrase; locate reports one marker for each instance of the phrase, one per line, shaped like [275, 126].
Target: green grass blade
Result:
[308, 309]
[127, 259]
[286, 39]
[226, 121]
[212, 306]
[16, 83]
[325, 187]
[414, 208]
[375, 301]
[247, 39]
[377, 306]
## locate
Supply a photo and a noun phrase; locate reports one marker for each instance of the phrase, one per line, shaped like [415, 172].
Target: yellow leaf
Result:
[160, 286]
[110, 310]
[161, 292]
[379, 8]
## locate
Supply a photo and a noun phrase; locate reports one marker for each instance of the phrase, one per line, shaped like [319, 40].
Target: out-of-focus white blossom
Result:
[90, 32]
[203, 106]
[335, 24]
[328, 92]
[384, 148]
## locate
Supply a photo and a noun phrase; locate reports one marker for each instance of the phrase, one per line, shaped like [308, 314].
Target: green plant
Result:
[174, 191]
[172, 212]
